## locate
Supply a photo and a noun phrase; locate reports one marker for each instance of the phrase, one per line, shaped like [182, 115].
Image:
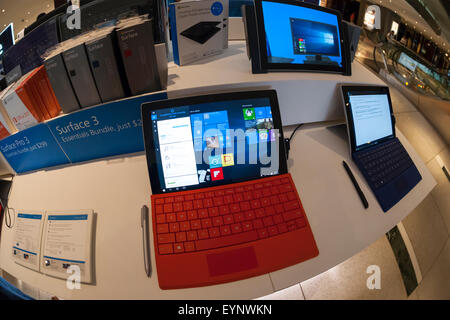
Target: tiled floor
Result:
[427, 227]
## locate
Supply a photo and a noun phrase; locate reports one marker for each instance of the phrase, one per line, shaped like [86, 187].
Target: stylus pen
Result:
[146, 240]
[356, 185]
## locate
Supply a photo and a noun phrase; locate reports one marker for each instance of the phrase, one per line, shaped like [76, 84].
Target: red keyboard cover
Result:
[260, 224]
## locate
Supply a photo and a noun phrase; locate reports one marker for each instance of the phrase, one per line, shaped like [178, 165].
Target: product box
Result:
[198, 28]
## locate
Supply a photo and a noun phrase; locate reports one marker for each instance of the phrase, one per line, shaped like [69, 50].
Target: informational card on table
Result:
[26, 248]
[67, 244]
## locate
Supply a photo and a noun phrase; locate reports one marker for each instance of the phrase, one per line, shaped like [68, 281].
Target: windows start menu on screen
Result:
[197, 147]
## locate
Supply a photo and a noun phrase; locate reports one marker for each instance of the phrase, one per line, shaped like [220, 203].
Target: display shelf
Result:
[116, 189]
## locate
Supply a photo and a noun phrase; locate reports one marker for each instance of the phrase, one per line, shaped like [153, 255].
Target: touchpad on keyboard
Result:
[231, 261]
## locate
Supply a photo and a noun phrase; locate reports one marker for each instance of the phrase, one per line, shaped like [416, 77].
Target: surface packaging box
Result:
[80, 75]
[59, 80]
[19, 114]
[199, 29]
[103, 61]
[138, 56]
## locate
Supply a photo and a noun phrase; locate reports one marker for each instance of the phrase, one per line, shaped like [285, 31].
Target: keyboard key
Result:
[283, 198]
[275, 190]
[249, 215]
[258, 194]
[268, 221]
[220, 193]
[188, 205]
[223, 210]
[269, 210]
[282, 227]
[181, 216]
[235, 208]
[258, 223]
[286, 188]
[192, 214]
[259, 213]
[263, 233]
[259, 186]
[226, 240]
[277, 219]
[266, 192]
[255, 204]
[239, 189]
[214, 232]
[229, 191]
[159, 209]
[236, 228]
[185, 226]
[166, 238]
[206, 223]
[292, 196]
[217, 221]
[171, 217]
[274, 199]
[189, 197]
[248, 196]
[168, 208]
[238, 197]
[213, 212]
[203, 234]
[218, 201]
[191, 235]
[228, 199]
[199, 196]
[196, 224]
[248, 187]
[279, 208]
[265, 202]
[228, 219]
[189, 246]
[165, 249]
[197, 204]
[245, 205]
[179, 199]
[291, 205]
[209, 194]
[180, 236]
[159, 201]
[162, 228]
[273, 231]
[208, 202]
[174, 227]
[202, 213]
[247, 226]
[160, 218]
[225, 230]
[238, 217]
[178, 248]
[301, 223]
[291, 215]
[170, 200]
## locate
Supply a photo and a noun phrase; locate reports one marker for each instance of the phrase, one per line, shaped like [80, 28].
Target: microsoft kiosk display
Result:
[296, 36]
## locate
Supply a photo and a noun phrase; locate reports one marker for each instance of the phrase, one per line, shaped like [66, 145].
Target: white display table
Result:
[117, 188]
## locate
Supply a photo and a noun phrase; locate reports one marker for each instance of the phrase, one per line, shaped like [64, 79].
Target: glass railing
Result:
[411, 70]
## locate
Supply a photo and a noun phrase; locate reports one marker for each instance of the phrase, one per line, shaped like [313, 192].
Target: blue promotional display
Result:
[32, 149]
[103, 131]
[107, 130]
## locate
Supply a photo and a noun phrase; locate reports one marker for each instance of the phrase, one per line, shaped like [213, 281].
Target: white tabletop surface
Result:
[117, 188]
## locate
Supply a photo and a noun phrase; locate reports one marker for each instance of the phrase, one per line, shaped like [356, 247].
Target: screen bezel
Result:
[345, 52]
[360, 90]
[146, 109]
[12, 36]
